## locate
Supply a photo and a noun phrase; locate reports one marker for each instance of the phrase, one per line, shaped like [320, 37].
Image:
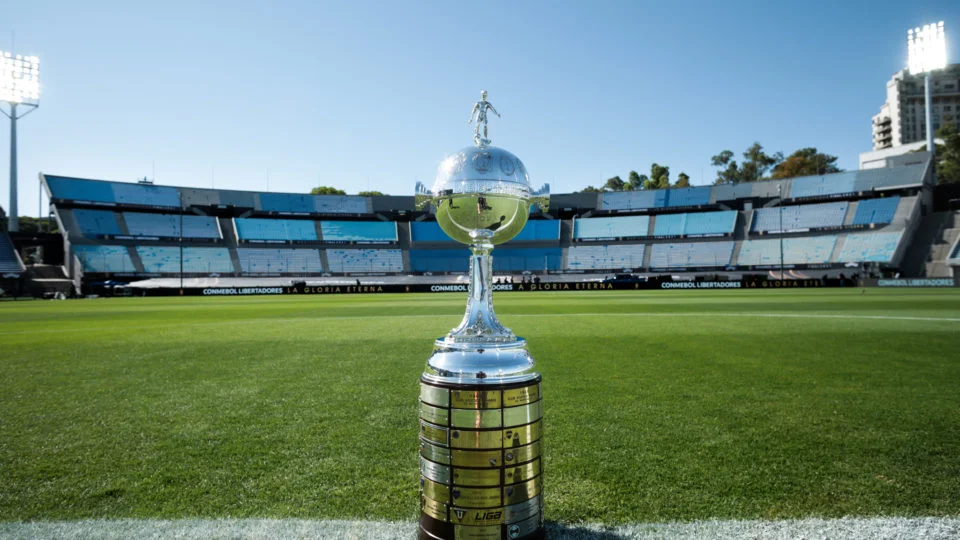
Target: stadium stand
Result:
[79, 190]
[145, 195]
[97, 223]
[710, 223]
[287, 203]
[659, 198]
[539, 229]
[606, 257]
[168, 225]
[508, 259]
[888, 177]
[359, 231]
[365, 260]
[427, 231]
[809, 250]
[275, 230]
[695, 224]
[669, 224]
[534, 230]
[118, 228]
[105, 259]
[821, 186]
[608, 228]
[292, 203]
[801, 217]
[279, 261]
[876, 211]
[338, 204]
[691, 196]
[633, 200]
[441, 260]
[113, 193]
[877, 247]
[850, 182]
[704, 254]
[196, 260]
[9, 262]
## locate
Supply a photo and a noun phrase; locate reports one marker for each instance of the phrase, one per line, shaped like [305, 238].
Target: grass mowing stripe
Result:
[178, 408]
[512, 315]
[838, 529]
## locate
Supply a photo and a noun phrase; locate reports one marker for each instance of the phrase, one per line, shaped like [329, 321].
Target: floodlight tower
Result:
[927, 51]
[19, 87]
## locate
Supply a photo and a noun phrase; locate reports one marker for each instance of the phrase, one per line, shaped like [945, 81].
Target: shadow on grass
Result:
[574, 532]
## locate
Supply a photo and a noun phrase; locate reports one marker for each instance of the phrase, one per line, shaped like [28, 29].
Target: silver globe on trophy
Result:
[480, 398]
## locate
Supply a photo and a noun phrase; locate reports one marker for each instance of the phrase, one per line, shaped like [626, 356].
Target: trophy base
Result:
[432, 529]
[480, 460]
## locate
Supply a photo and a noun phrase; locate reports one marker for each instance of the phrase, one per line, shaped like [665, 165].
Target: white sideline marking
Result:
[746, 314]
[842, 528]
[509, 316]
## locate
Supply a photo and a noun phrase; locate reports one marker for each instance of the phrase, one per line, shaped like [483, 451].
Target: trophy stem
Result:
[480, 322]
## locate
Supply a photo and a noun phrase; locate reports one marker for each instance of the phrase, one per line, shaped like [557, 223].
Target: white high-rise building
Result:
[902, 118]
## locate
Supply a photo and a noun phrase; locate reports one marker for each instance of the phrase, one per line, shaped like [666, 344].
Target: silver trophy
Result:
[480, 396]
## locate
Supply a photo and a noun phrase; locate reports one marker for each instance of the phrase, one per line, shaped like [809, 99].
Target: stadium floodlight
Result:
[926, 48]
[19, 86]
[926, 52]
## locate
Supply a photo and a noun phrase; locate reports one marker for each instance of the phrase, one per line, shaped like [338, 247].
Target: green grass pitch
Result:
[659, 406]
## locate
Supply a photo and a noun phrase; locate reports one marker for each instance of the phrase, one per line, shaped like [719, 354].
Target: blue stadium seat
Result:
[358, 231]
[275, 229]
[820, 186]
[700, 254]
[365, 260]
[77, 189]
[340, 204]
[907, 175]
[196, 260]
[710, 223]
[695, 223]
[280, 261]
[427, 231]
[611, 227]
[801, 217]
[633, 200]
[526, 259]
[145, 195]
[109, 259]
[168, 225]
[809, 250]
[869, 247]
[287, 202]
[96, 223]
[669, 224]
[691, 196]
[540, 229]
[440, 260]
[9, 263]
[876, 211]
[606, 257]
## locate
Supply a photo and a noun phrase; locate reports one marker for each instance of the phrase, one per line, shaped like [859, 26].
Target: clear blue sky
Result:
[365, 95]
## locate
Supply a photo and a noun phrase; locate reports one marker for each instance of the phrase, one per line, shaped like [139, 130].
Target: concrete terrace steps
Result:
[936, 262]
